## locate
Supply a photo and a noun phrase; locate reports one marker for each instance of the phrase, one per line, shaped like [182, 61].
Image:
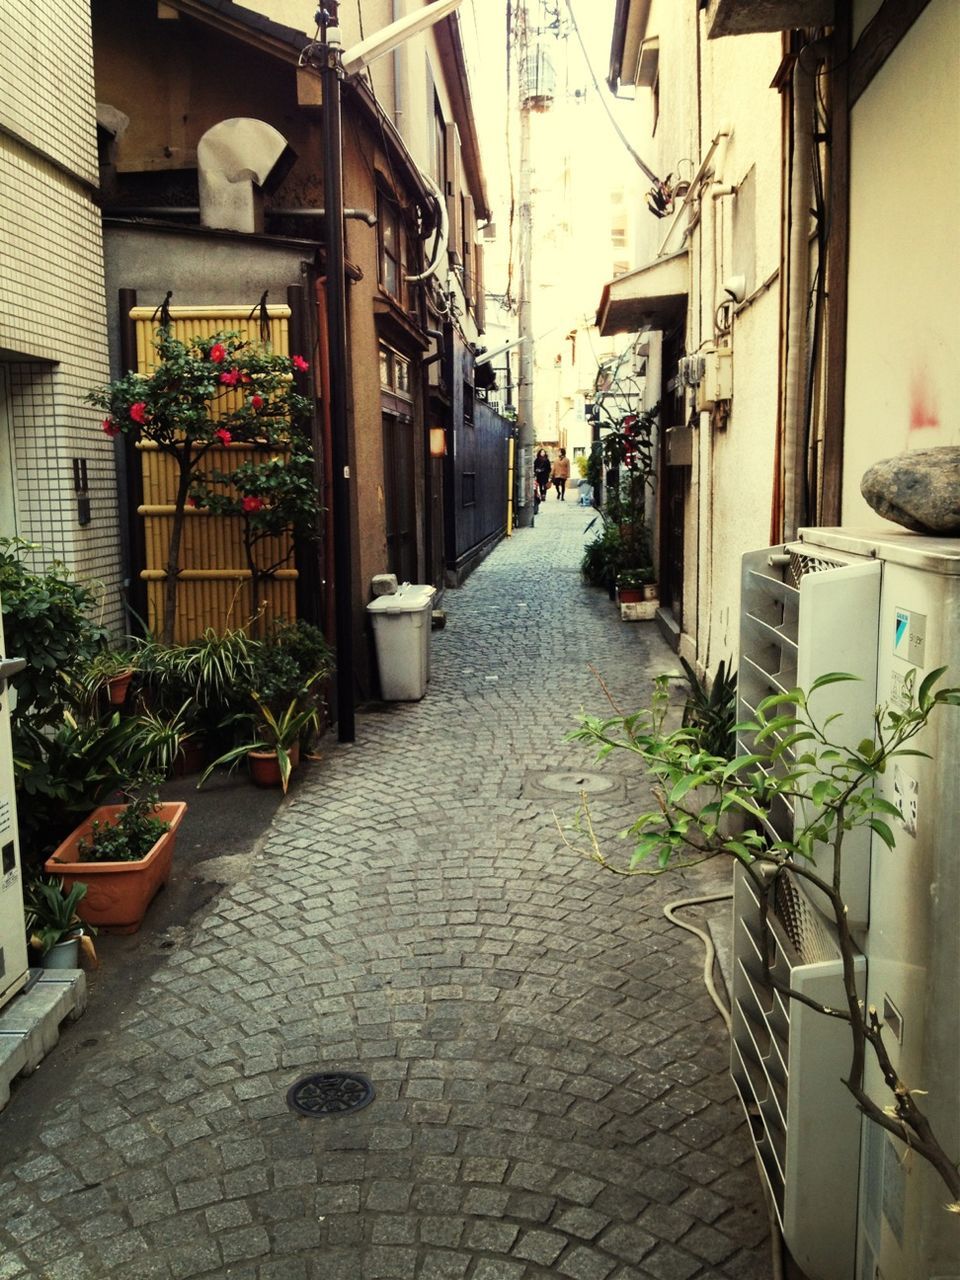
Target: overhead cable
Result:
[638, 159]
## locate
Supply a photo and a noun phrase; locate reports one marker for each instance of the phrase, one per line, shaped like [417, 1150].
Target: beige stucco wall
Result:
[729, 487]
[904, 277]
[736, 462]
[53, 333]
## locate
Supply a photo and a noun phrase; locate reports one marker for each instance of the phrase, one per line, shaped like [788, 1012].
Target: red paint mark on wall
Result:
[923, 409]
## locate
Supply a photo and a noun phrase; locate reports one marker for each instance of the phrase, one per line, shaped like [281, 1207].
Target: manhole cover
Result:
[575, 781]
[330, 1093]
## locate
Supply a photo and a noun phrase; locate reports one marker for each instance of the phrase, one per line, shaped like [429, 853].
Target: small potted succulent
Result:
[53, 925]
[123, 853]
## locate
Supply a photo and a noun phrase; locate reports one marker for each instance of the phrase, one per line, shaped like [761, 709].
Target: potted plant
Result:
[123, 853]
[273, 751]
[112, 669]
[633, 585]
[53, 924]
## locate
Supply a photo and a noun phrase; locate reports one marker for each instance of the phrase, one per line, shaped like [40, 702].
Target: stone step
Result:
[30, 1023]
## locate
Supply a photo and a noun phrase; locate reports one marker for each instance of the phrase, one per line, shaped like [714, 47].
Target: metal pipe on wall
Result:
[798, 286]
[331, 73]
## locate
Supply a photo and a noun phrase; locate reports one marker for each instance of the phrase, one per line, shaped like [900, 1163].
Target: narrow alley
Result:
[552, 1096]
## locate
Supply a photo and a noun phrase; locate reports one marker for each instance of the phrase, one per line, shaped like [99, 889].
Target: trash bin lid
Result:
[411, 598]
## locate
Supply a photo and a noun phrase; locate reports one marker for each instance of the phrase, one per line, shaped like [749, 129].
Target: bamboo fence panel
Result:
[214, 586]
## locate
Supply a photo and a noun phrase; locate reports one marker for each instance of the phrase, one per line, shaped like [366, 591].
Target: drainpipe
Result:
[399, 74]
[326, 454]
[798, 288]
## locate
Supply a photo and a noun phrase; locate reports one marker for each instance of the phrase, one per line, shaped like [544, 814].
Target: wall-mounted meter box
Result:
[717, 381]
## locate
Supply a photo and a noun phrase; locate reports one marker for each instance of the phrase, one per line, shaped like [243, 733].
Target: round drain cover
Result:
[330, 1093]
[576, 780]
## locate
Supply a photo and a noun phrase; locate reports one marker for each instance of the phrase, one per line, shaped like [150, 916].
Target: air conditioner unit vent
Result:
[802, 924]
[801, 565]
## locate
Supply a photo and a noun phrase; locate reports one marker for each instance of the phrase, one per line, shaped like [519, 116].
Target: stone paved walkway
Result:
[552, 1097]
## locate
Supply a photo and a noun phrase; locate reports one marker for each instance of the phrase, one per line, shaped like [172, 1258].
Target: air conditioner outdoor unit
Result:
[886, 608]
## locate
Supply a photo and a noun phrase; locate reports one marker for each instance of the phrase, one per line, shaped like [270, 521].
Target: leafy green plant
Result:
[834, 789]
[202, 394]
[48, 620]
[130, 837]
[50, 915]
[603, 557]
[712, 711]
[289, 664]
[65, 771]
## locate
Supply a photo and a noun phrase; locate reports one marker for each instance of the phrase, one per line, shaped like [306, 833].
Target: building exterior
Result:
[754, 119]
[57, 485]
[194, 92]
[804, 313]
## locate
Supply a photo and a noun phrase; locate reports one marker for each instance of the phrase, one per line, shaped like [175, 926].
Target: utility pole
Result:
[526, 433]
[331, 74]
[536, 86]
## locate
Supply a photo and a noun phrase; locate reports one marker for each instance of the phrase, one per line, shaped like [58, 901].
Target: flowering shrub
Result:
[191, 403]
[272, 496]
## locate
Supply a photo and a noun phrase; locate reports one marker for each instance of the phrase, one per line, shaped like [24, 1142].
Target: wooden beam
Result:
[878, 40]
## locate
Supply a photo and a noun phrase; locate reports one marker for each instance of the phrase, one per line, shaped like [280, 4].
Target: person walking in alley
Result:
[561, 474]
[541, 473]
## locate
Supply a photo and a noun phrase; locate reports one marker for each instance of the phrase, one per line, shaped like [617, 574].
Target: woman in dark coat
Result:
[541, 473]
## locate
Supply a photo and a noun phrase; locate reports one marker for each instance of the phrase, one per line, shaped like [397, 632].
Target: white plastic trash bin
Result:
[401, 632]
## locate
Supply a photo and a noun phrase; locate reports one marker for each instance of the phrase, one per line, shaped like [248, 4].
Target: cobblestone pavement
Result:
[552, 1096]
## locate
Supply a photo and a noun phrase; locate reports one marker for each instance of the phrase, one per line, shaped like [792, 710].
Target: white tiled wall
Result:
[46, 81]
[53, 328]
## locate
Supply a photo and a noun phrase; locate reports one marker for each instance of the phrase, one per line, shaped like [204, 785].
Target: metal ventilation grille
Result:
[802, 924]
[800, 565]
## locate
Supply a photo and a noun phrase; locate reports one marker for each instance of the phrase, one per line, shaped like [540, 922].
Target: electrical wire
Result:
[635, 155]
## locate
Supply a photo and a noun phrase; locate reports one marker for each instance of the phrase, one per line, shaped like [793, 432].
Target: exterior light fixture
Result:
[438, 442]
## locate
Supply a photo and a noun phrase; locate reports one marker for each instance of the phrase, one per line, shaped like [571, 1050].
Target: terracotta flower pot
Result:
[265, 767]
[630, 595]
[118, 893]
[117, 687]
[191, 758]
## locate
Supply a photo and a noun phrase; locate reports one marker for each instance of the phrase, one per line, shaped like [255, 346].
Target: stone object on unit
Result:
[384, 584]
[919, 489]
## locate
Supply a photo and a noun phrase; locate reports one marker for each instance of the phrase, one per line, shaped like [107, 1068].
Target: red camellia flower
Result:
[230, 378]
[138, 411]
[300, 364]
[223, 435]
[251, 504]
[193, 502]
[256, 402]
[110, 427]
[218, 353]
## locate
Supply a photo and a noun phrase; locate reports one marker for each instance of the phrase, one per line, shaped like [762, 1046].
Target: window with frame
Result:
[392, 247]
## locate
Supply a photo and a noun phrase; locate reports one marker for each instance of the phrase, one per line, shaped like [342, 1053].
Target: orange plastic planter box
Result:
[118, 893]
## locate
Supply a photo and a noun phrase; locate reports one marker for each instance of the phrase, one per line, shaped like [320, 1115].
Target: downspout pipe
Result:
[798, 289]
[399, 72]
